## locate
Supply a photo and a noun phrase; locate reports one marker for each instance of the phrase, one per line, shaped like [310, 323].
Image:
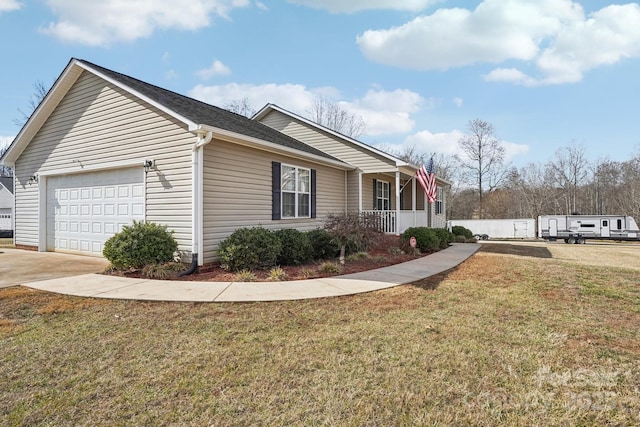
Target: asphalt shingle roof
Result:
[7, 182]
[202, 113]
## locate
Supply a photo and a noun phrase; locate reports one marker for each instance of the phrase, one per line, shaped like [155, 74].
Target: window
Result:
[383, 191]
[619, 224]
[295, 184]
[439, 201]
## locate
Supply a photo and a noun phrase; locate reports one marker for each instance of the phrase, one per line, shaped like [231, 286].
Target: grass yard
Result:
[505, 339]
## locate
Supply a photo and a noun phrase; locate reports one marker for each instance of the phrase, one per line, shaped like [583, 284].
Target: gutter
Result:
[197, 194]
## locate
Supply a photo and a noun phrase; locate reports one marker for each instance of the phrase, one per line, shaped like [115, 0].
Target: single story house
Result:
[103, 149]
[380, 184]
[6, 206]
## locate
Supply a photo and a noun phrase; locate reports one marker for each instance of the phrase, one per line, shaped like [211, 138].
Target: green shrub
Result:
[458, 230]
[140, 244]
[394, 250]
[426, 238]
[444, 236]
[296, 247]
[461, 239]
[323, 245]
[249, 248]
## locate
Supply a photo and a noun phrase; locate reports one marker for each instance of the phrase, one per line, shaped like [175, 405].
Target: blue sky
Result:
[544, 73]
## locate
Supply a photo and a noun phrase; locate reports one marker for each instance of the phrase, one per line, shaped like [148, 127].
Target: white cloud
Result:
[351, 6]
[447, 143]
[385, 112]
[9, 5]
[217, 68]
[458, 101]
[110, 21]
[555, 36]
[293, 97]
[441, 142]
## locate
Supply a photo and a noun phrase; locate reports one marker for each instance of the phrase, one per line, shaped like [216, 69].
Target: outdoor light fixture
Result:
[33, 179]
[148, 164]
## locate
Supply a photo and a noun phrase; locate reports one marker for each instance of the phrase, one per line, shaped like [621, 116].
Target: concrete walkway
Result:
[102, 286]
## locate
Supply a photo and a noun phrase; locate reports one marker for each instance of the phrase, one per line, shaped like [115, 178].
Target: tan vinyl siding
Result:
[367, 190]
[352, 191]
[95, 124]
[364, 159]
[237, 192]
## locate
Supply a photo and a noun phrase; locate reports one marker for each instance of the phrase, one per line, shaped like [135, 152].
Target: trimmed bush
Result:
[444, 236]
[459, 230]
[323, 245]
[249, 249]
[426, 238]
[296, 247]
[140, 244]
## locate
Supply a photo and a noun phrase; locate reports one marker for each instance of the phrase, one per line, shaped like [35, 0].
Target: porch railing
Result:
[386, 220]
[390, 223]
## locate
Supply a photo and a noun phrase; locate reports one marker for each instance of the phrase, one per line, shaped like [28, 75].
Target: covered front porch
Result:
[396, 200]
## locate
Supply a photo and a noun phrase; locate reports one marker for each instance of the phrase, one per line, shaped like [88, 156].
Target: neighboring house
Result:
[6, 204]
[378, 181]
[103, 149]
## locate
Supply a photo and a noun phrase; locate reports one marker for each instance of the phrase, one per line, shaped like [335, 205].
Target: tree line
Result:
[570, 183]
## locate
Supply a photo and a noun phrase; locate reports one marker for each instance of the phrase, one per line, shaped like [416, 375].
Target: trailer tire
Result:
[566, 240]
[571, 240]
[580, 241]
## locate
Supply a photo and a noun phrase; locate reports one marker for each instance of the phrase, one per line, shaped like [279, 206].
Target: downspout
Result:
[197, 193]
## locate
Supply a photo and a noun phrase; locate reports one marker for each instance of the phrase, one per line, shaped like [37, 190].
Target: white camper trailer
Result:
[579, 228]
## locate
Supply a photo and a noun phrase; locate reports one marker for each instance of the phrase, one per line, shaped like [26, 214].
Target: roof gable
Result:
[191, 112]
[344, 138]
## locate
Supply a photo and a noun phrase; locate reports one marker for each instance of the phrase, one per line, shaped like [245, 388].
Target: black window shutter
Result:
[313, 193]
[276, 179]
[375, 194]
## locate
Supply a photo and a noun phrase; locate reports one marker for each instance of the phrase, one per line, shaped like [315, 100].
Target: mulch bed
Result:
[379, 256]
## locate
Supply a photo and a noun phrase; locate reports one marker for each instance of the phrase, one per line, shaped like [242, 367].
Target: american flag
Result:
[427, 180]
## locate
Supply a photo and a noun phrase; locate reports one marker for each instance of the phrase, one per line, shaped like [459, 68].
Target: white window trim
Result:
[296, 192]
[388, 199]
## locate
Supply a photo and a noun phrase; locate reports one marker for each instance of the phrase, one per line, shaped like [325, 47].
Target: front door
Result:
[553, 228]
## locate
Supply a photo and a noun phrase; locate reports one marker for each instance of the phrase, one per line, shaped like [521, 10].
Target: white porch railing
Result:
[389, 223]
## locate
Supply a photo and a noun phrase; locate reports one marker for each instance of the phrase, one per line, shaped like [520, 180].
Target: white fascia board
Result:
[190, 124]
[238, 138]
[267, 108]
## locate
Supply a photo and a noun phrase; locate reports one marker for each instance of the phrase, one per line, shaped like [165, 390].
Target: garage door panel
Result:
[84, 210]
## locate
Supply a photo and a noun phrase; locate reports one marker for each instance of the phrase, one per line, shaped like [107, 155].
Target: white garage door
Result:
[84, 210]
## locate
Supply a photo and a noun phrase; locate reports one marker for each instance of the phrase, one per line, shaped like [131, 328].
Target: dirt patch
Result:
[520, 250]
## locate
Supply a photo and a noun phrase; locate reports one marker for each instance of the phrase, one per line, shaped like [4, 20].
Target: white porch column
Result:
[413, 200]
[359, 191]
[397, 225]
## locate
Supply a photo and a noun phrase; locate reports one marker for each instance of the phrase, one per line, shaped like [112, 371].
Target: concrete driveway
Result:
[19, 266]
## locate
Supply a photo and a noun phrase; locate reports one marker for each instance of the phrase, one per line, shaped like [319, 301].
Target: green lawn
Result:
[502, 340]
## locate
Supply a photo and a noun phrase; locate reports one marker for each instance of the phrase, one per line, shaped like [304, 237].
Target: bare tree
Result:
[482, 159]
[5, 170]
[241, 107]
[39, 92]
[335, 117]
[570, 171]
